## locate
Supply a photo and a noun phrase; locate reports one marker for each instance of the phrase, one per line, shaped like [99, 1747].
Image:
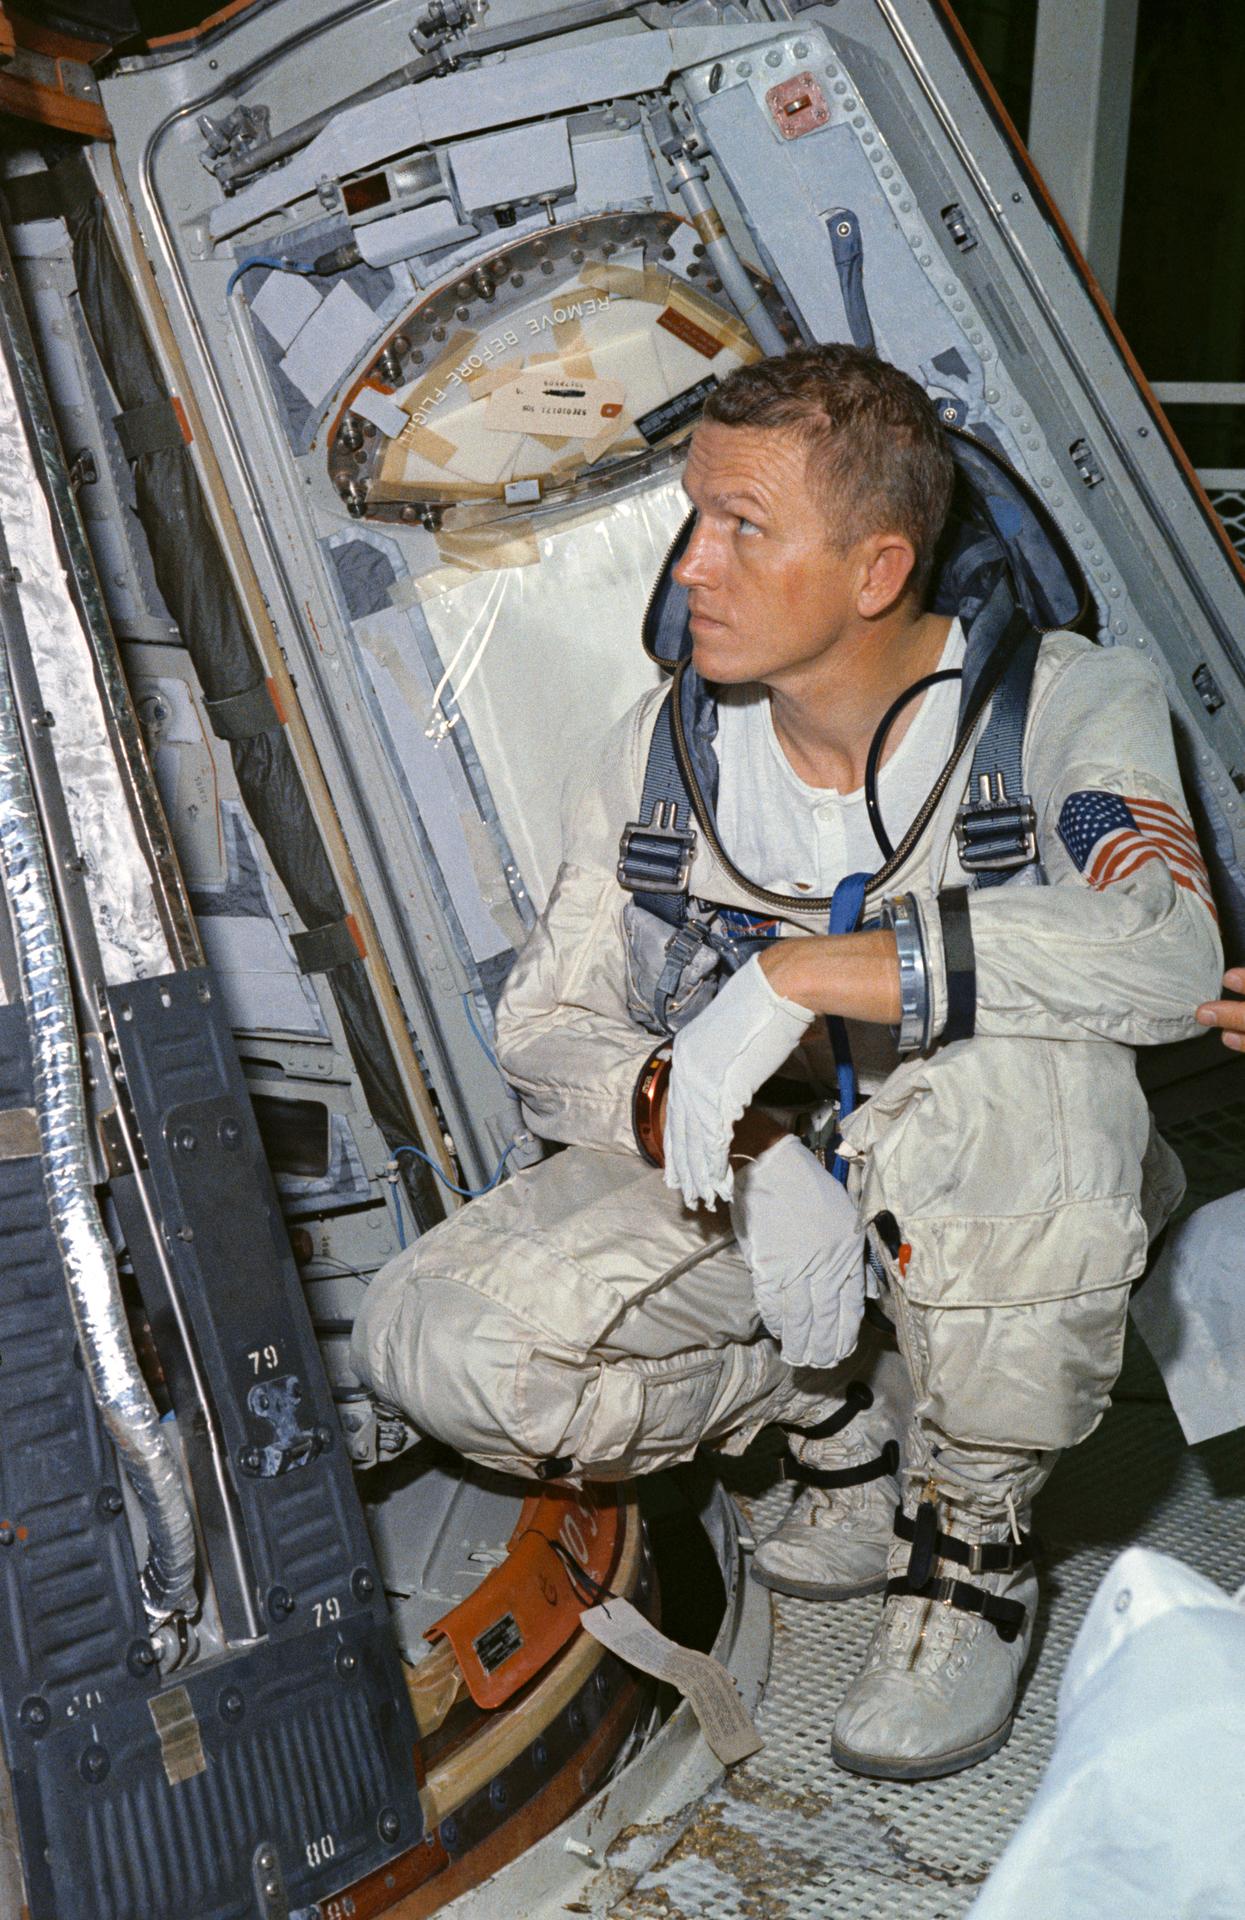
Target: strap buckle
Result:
[996, 830]
[655, 856]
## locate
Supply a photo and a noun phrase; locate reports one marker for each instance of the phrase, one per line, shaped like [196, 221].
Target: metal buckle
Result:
[660, 844]
[996, 830]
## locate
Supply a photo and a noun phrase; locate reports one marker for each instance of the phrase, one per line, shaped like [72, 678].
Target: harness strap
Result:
[996, 829]
[845, 908]
[856, 1398]
[929, 1543]
[876, 1469]
[848, 249]
[655, 852]
[1007, 1617]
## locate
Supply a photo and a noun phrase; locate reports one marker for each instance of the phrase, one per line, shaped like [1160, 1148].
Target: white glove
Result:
[720, 1059]
[799, 1233]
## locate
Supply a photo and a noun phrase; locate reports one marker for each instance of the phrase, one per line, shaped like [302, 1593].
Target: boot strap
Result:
[929, 1543]
[1007, 1617]
[856, 1398]
[886, 1462]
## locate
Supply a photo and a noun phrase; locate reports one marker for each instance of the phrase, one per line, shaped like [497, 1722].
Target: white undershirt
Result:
[792, 838]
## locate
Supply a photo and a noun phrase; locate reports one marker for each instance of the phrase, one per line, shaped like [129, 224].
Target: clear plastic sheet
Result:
[542, 659]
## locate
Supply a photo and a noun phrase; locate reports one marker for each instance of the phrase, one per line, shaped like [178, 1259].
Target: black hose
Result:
[879, 741]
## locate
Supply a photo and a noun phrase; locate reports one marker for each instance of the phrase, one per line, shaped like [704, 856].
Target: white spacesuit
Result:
[581, 1321]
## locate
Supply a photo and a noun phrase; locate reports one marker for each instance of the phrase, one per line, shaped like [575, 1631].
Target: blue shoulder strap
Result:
[655, 852]
[996, 828]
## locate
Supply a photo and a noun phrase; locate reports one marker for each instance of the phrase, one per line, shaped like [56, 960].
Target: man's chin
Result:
[716, 657]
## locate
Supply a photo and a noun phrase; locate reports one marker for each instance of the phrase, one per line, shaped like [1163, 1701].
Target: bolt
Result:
[184, 1140]
[497, 1794]
[388, 1825]
[249, 1459]
[94, 1765]
[229, 1133]
[231, 1706]
[140, 1658]
[35, 1715]
[108, 1503]
[346, 1662]
[265, 1860]
[281, 1602]
[271, 1889]
[7, 1534]
[323, 1436]
[362, 1584]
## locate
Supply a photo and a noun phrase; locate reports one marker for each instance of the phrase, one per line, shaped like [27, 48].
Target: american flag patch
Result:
[1109, 836]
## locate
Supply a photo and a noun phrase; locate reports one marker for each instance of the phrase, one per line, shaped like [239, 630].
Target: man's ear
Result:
[887, 560]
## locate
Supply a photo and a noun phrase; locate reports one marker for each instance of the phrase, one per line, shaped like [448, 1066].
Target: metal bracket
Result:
[271, 1899]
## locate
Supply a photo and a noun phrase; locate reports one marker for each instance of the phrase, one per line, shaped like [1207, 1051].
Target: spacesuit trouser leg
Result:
[1016, 1183]
[580, 1321]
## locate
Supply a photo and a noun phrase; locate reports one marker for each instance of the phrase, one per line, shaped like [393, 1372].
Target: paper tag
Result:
[706, 1685]
[546, 401]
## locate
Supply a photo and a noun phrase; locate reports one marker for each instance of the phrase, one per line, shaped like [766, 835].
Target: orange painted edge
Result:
[48, 107]
[352, 928]
[588, 1524]
[1043, 196]
[189, 34]
[274, 694]
[37, 38]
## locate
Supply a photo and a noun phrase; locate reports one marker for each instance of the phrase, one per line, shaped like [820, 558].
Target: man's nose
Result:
[695, 567]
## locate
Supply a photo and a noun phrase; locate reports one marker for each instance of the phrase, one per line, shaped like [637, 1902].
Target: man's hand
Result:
[1228, 1014]
[720, 1060]
[799, 1233]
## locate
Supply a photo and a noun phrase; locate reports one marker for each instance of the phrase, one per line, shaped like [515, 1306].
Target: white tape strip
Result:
[704, 1684]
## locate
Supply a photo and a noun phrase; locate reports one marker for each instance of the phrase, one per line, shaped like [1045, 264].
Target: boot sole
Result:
[815, 1590]
[933, 1768]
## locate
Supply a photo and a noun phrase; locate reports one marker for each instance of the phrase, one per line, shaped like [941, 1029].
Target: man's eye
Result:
[747, 526]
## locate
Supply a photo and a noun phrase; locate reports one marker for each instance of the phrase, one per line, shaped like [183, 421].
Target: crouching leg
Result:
[578, 1322]
[1014, 1185]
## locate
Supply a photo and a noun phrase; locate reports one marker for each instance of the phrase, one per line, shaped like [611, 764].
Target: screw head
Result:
[231, 1705]
[140, 1658]
[35, 1715]
[281, 1602]
[362, 1584]
[347, 1663]
[184, 1140]
[388, 1825]
[108, 1503]
[249, 1459]
[94, 1765]
[230, 1133]
[7, 1533]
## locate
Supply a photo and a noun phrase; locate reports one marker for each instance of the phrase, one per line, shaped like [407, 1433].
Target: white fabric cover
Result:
[1142, 1808]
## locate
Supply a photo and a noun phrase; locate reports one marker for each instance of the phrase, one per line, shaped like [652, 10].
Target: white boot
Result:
[834, 1541]
[938, 1686]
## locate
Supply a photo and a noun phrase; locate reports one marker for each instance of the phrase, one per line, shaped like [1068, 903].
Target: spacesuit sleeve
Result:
[1123, 943]
[565, 1040]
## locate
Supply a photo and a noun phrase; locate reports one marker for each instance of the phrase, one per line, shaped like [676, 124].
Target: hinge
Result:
[958, 225]
[1085, 462]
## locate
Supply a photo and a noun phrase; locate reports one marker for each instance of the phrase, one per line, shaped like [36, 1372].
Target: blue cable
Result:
[480, 1036]
[396, 1200]
[264, 260]
[466, 1193]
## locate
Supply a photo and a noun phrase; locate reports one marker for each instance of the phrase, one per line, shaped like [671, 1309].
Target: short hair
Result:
[878, 458]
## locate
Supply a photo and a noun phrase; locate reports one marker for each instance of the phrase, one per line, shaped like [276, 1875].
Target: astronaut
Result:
[973, 965]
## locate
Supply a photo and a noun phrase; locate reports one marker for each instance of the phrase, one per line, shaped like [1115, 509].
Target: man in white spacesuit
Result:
[998, 1181]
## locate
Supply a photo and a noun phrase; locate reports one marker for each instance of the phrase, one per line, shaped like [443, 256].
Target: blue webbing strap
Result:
[998, 831]
[660, 841]
[845, 908]
[849, 261]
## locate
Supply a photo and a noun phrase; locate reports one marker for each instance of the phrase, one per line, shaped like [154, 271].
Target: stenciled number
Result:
[264, 1359]
[330, 1609]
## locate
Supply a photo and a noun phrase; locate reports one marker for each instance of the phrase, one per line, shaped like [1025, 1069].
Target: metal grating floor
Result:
[789, 1837]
